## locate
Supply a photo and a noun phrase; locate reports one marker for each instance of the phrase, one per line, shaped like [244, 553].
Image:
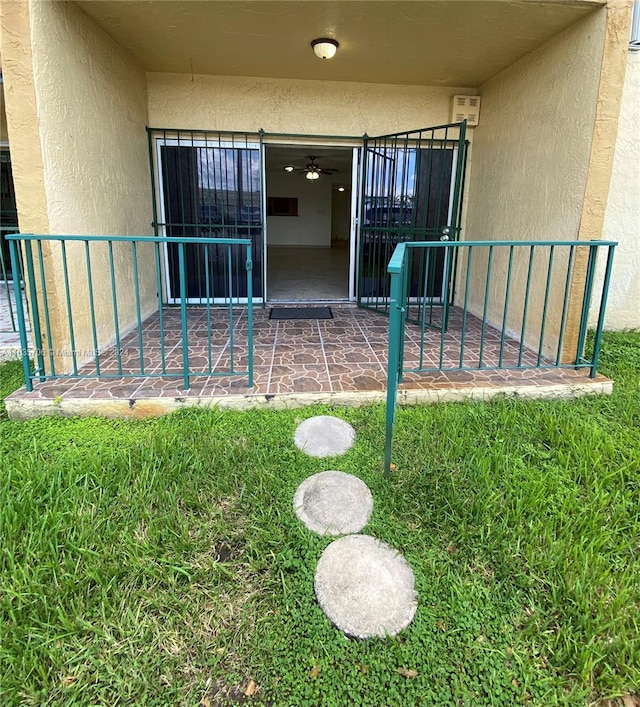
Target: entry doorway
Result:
[309, 223]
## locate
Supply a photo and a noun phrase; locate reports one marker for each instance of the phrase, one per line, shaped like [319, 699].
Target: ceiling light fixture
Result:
[340, 188]
[324, 48]
[289, 168]
[312, 174]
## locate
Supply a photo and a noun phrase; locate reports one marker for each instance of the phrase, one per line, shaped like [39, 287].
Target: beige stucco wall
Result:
[91, 106]
[531, 161]
[293, 106]
[622, 216]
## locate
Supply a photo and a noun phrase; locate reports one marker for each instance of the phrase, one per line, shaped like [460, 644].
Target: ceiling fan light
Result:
[324, 48]
[312, 175]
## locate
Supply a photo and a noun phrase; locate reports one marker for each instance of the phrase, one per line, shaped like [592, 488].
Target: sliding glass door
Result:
[211, 188]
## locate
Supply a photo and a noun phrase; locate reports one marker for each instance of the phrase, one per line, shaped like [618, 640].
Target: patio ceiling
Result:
[420, 42]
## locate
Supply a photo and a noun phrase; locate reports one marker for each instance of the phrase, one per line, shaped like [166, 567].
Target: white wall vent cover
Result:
[465, 108]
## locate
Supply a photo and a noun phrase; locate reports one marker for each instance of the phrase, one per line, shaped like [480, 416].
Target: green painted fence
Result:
[89, 295]
[505, 305]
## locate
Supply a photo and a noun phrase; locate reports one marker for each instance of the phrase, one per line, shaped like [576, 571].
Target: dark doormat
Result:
[300, 313]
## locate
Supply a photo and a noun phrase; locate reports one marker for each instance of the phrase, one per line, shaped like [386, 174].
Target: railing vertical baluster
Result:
[526, 305]
[208, 303]
[586, 302]
[597, 343]
[183, 314]
[67, 292]
[249, 267]
[423, 323]
[505, 312]
[16, 286]
[487, 292]
[136, 288]
[22, 328]
[114, 300]
[45, 304]
[35, 311]
[230, 290]
[545, 305]
[92, 310]
[565, 304]
[156, 253]
[465, 306]
[445, 288]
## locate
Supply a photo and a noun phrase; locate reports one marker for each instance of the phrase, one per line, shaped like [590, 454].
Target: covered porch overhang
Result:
[428, 43]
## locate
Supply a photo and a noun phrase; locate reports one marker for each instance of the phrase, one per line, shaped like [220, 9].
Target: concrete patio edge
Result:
[136, 408]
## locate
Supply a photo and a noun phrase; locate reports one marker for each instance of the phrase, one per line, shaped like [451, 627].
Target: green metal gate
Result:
[411, 191]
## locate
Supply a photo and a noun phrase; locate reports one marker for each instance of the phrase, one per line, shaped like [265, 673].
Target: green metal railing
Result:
[506, 305]
[98, 307]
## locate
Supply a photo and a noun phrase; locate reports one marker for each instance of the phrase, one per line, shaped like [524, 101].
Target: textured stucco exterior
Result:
[293, 106]
[89, 100]
[531, 164]
[622, 216]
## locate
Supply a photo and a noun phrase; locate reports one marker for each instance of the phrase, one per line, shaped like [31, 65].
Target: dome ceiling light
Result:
[324, 48]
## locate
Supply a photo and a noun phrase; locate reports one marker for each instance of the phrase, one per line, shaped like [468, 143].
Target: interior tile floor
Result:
[307, 274]
[345, 354]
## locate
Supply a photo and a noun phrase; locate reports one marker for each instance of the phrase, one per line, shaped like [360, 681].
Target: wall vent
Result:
[465, 108]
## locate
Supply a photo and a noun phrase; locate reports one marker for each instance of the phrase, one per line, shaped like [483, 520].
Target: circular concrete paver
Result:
[365, 587]
[333, 503]
[324, 436]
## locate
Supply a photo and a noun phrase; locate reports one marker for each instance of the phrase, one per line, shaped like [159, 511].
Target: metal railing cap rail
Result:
[433, 128]
[395, 264]
[128, 239]
[457, 244]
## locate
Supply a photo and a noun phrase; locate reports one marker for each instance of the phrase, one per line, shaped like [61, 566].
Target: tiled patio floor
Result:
[301, 360]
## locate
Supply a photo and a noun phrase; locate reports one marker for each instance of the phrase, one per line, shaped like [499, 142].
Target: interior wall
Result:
[341, 215]
[312, 225]
[531, 158]
[92, 111]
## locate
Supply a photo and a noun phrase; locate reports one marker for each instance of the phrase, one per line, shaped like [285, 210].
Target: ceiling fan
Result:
[312, 170]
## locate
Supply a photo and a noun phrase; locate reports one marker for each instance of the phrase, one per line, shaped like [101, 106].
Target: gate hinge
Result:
[249, 264]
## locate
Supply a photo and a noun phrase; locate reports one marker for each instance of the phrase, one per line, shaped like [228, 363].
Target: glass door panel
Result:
[213, 190]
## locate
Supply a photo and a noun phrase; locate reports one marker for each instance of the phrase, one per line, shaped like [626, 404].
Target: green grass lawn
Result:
[159, 562]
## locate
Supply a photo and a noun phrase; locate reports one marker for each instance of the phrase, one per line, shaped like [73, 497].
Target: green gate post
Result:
[396, 344]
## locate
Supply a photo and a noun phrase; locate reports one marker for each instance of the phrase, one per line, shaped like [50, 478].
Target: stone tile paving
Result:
[345, 354]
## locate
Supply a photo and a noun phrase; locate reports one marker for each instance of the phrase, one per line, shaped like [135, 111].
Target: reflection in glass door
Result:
[211, 188]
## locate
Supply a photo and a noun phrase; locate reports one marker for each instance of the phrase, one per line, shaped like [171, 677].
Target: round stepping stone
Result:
[365, 587]
[333, 503]
[324, 436]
